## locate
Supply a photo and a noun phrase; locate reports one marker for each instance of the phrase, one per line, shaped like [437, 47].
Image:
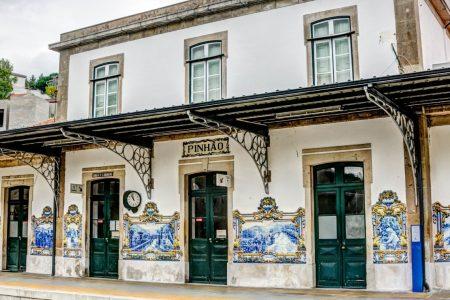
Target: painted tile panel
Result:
[441, 221]
[151, 236]
[72, 232]
[390, 240]
[42, 233]
[269, 235]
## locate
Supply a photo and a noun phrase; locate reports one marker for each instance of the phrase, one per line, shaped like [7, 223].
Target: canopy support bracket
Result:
[407, 123]
[139, 157]
[254, 143]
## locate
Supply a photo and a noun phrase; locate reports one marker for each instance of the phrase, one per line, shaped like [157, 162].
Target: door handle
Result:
[343, 246]
[210, 240]
[106, 239]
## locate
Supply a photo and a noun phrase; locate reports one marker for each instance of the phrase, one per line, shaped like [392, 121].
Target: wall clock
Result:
[132, 200]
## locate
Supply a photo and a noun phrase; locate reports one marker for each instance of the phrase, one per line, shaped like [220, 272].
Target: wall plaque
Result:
[206, 147]
[102, 174]
[76, 188]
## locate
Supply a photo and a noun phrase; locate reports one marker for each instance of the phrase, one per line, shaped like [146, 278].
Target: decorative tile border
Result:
[269, 235]
[151, 236]
[441, 219]
[390, 240]
[42, 233]
[72, 232]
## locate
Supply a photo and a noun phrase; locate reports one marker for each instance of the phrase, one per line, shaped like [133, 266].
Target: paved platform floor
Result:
[28, 286]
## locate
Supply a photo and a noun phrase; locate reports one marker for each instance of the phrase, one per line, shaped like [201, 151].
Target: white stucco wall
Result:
[440, 191]
[286, 187]
[435, 41]
[259, 46]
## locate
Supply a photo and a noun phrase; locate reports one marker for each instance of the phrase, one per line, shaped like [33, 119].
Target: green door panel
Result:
[104, 220]
[340, 226]
[208, 243]
[17, 228]
[13, 254]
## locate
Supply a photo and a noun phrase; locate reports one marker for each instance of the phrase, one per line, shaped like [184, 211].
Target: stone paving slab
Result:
[28, 286]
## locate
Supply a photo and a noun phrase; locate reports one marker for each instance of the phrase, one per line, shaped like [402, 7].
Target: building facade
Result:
[244, 143]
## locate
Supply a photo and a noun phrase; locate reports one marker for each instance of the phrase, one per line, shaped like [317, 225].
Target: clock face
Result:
[134, 199]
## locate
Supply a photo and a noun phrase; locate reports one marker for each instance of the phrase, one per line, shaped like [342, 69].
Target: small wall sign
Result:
[102, 174]
[223, 180]
[76, 188]
[206, 147]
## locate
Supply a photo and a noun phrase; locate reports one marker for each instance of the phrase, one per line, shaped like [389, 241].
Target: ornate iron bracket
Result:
[255, 144]
[408, 126]
[140, 158]
[47, 166]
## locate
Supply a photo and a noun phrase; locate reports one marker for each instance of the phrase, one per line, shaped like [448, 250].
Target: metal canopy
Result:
[254, 113]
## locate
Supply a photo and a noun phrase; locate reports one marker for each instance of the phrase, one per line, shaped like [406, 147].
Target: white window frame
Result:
[106, 79]
[331, 39]
[205, 61]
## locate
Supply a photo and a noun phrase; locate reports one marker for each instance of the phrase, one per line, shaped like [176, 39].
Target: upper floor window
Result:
[106, 90]
[332, 51]
[205, 72]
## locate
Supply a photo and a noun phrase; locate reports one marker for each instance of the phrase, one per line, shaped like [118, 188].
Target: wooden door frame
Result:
[318, 156]
[8, 182]
[340, 189]
[118, 172]
[188, 167]
[207, 194]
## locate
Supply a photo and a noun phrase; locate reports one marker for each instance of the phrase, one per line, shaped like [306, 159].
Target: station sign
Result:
[206, 147]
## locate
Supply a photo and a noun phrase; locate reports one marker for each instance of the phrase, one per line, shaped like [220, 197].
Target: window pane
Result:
[342, 46]
[220, 227]
[327, 227]
[213, 94]
[198, 85]
[198, 207]
[342, 63]
[326, 176]
[341, 26]
[214, 67]
[324, 79]
[321, 29]
[14, 194]
[113, 69]
[112, 110]
[220, 206]
[26, 193]
[354, 227]
[100, 88]
[322, 49]
[343, 76]
[353, 174]
[112, 86]
[99, 101]
[323, 65]
[198, 70]
[214, 49]
[100, 72]
[326, 203]
[112, 99]
[100, 112]
[214, 82]
[198, 52]
[354, 202]
[198, 97]
[198, 183]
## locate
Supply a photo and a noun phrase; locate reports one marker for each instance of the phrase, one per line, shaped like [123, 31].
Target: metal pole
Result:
[55, 211]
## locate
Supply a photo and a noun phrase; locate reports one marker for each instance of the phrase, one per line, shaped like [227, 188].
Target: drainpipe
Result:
[420, 196]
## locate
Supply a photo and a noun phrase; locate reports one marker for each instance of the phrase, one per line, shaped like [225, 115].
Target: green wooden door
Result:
[340, 241]
[208, 244]
[104, 242]
[17, 228]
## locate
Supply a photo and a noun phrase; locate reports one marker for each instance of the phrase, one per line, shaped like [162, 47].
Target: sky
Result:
[27, 27]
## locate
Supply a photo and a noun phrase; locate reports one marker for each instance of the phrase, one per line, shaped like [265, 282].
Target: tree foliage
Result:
[7, 79]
